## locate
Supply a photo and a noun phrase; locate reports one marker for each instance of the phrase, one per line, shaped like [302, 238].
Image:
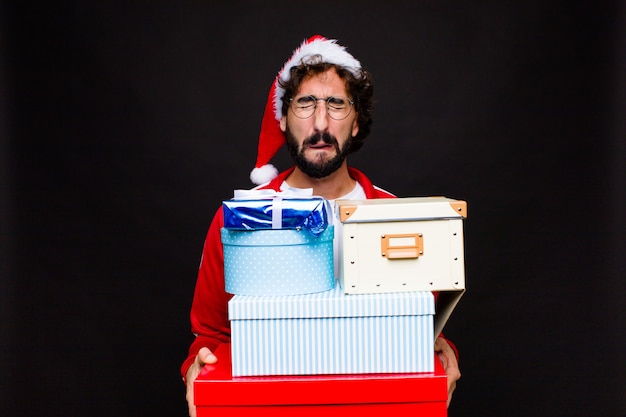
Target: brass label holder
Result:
[402, 246]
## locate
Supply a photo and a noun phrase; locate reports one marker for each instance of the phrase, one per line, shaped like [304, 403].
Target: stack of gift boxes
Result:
[290, 316]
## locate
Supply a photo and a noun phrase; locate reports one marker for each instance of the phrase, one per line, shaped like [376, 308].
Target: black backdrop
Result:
[124, 124]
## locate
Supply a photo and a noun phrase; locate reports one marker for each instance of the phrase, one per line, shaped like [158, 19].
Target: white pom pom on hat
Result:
[271, 138]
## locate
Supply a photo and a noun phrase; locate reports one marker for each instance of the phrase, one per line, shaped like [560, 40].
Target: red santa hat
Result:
[271, 138]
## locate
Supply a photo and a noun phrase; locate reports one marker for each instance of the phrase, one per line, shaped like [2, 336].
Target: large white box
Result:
[332, 333]
[403, 244]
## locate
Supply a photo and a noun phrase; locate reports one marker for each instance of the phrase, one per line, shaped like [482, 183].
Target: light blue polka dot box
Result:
[278, 246]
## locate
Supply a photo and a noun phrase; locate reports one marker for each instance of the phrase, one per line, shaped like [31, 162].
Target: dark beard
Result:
[316, 169]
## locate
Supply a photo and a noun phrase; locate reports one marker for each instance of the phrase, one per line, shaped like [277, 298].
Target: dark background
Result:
[125, 124]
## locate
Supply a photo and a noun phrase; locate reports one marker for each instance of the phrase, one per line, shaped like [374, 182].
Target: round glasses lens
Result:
[337, 107]
[303, 106]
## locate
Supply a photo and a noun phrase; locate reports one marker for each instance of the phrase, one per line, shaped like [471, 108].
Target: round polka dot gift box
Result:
[278, 261]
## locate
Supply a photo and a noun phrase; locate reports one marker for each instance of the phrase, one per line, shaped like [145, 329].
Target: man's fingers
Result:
[450, 365]
[205, 356]
[190, 401]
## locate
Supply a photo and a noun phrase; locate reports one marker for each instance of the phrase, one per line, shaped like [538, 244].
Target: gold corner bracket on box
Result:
[346, 212]
[460, 207]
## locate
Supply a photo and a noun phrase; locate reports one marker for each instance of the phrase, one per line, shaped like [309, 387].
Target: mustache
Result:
[324, 137]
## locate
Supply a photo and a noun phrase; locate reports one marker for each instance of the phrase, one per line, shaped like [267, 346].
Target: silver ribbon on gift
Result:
[277, 198]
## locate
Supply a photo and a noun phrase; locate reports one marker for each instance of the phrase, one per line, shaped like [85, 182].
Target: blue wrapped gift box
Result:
[332, 333]
[277, 245]
[309, 214]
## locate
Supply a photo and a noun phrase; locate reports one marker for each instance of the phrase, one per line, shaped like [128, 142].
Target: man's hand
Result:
[204, 356]
[450, 364]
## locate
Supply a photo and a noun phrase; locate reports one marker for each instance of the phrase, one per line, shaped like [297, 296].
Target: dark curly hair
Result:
[359, 88]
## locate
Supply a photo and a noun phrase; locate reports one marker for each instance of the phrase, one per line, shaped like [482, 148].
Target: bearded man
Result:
[320, 107]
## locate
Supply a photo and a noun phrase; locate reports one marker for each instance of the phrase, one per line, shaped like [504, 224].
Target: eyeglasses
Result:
[337, 107]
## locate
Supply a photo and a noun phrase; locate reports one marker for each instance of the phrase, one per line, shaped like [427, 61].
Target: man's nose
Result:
[321, 116]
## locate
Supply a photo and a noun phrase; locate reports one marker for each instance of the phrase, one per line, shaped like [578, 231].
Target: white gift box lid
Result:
[329, 304]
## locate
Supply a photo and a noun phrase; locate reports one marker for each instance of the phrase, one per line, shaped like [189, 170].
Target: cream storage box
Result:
[332, 333]
[401, 244]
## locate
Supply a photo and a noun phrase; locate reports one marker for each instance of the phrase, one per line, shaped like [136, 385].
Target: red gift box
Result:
[217, 392]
